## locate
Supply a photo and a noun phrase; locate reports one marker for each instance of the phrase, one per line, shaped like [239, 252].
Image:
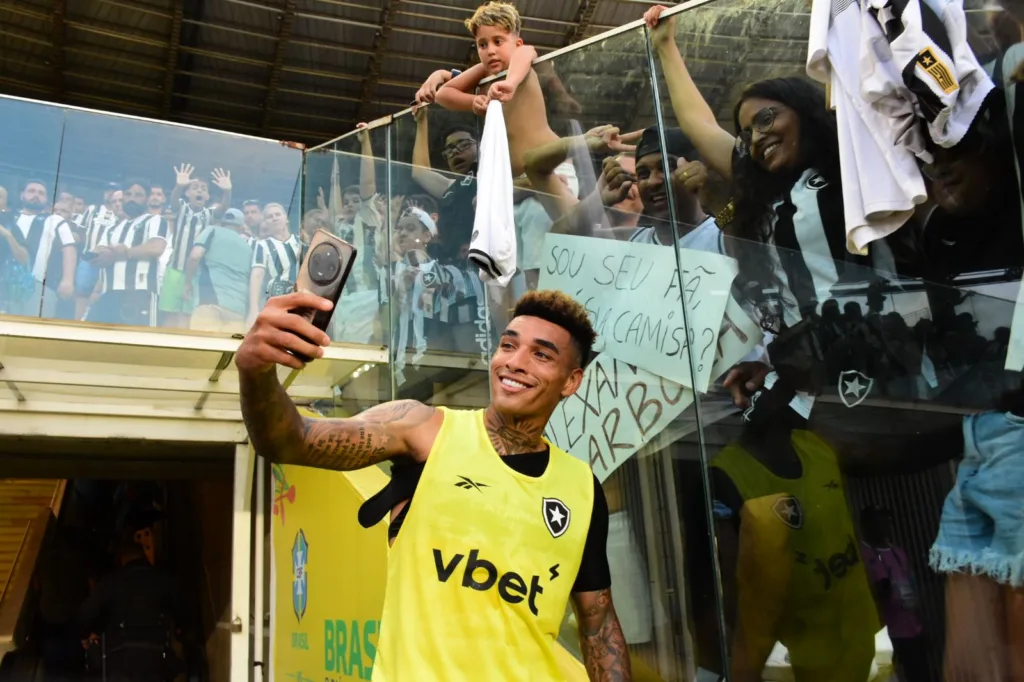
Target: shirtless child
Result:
[496, 27]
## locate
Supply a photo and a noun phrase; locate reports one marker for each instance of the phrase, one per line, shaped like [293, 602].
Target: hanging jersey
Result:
[479, 579]
[829, 613]
[928, 43]
[878, 134]
[493, 246]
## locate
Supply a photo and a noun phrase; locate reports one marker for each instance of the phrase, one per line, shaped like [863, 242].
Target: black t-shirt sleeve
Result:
[594, 573]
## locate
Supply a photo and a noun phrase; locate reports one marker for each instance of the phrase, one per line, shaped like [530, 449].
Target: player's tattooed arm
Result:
[379, 433]
[281, 434]
[605, 654]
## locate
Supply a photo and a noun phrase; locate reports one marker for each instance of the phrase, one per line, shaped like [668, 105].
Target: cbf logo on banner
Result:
[300, 579]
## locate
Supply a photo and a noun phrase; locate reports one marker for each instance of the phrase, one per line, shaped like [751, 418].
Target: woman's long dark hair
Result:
[756, 190]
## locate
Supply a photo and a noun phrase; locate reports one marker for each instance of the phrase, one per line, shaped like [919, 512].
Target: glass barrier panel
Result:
[589, 206]
[345, 194]
[441, 332]
[860, 463]
[159, 223]
[29, 159]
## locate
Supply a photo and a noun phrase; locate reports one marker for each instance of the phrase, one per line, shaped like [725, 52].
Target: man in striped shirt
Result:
[52, 254]
[275, 260]
[129, 254]
[93, 224]
[190, 196]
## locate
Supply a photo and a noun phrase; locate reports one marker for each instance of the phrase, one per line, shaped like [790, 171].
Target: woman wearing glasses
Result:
[789, 559]
[784, 164]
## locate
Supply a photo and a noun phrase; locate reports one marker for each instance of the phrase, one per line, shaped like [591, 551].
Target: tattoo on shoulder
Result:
[360, 441]
[602, 643]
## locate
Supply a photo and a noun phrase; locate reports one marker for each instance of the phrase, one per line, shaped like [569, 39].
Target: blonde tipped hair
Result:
[496, 13]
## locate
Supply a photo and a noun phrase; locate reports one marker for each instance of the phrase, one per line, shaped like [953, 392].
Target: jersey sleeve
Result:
[65, 234]
[595, 573]
[259, 255]
[204, 238]
[156, 228]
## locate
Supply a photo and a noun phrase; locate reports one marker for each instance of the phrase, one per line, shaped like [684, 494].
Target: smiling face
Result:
[774, 134]
[650, 176]
[535, 366]
[495, 46]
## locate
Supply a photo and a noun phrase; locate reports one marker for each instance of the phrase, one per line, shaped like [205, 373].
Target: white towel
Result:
[493, 246]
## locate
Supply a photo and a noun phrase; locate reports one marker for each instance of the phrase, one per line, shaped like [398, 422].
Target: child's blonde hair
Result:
[496, 13]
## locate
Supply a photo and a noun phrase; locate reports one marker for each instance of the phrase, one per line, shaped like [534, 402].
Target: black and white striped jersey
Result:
[96, 221]
[281, 259]
[134, 274]
[44, 237]
[189, 225]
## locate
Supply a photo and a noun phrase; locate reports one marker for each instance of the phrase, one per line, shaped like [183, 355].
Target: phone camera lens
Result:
[324, 264]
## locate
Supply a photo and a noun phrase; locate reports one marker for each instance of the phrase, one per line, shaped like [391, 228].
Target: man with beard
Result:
[253, 213]
[52, 254]
[157, 202]
[129, 255]
[505, 554]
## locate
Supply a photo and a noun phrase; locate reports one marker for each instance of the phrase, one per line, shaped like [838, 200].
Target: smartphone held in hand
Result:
[324, 272]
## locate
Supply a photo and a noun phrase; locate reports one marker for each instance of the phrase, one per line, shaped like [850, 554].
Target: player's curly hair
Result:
[560, 308]
[496, 13]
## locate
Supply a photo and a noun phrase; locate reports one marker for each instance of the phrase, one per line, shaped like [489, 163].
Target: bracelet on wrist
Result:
[726, 215]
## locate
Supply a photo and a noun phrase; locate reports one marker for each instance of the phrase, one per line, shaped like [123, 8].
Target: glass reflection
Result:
[835, 495]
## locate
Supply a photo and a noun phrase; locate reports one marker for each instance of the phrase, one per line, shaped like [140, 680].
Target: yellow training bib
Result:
[480, 575]
[830, 618]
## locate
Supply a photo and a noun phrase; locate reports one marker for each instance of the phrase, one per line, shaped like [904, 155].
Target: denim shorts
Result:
[982, 527]
[86, 276]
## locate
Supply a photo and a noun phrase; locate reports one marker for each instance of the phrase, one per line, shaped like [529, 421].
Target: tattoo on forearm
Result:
[364, 440]
[602, 643]
[273, 423]
[511, 436]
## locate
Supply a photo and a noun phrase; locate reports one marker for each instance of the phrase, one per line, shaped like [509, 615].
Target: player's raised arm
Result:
[281, 434]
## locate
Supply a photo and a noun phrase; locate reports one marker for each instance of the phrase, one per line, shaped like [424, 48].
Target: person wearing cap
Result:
[220, 264]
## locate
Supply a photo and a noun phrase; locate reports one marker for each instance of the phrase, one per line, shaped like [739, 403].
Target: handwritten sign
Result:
[618, 408]
[737, 336]
[634, 295]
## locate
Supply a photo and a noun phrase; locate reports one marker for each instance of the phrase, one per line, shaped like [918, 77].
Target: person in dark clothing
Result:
[135, 609]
